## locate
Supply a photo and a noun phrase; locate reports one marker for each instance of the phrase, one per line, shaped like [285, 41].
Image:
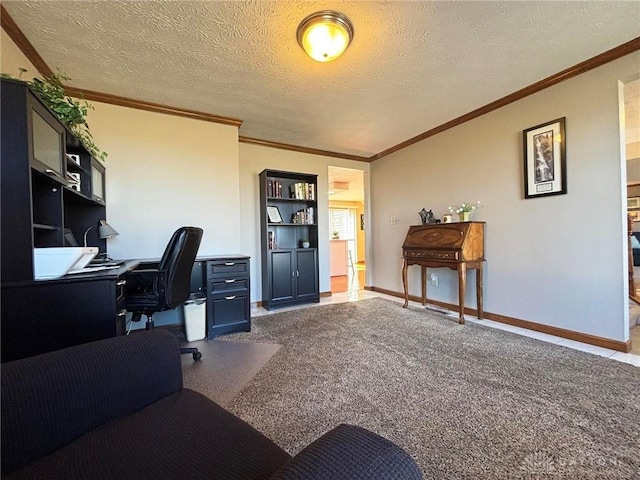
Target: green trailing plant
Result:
[72, 113]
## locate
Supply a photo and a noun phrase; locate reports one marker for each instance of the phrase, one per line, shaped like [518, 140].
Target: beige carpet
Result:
[466, 401]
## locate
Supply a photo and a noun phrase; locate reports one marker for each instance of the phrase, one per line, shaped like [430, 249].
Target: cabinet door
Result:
[282, 279]
[306, 276]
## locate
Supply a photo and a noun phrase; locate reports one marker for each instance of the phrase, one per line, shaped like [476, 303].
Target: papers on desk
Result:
[93, 269]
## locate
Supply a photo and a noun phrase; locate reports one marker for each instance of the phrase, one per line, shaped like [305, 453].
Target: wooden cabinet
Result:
[458, 246]
[288, 219]
[40, 197]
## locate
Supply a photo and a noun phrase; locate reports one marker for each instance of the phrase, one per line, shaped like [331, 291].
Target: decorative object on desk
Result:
[305, 243]
[545, 166]
[427, 216]
[274, 214]
[71, 112]
[104, 231]
[464, 210]
[447, 218]
[423, 215]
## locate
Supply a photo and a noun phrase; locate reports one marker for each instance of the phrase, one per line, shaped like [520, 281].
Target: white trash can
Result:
[195, 317]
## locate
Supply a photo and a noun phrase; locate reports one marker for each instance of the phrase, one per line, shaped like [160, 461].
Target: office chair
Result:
[153, 287]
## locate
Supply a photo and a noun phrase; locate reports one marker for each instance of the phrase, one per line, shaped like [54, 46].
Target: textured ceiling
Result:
[412, 65]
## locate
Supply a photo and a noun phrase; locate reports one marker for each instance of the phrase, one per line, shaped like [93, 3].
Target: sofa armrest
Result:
[350, 452]
[52, 399]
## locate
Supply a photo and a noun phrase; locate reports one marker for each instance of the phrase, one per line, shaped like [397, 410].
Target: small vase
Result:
[464, 216]
[305, 244]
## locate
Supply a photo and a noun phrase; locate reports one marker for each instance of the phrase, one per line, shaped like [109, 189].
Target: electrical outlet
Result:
[393, 220]
[434, 280]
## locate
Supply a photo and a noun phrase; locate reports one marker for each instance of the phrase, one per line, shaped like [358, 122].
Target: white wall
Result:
[164, 172]
[557, 260]
[254, 159]
[12, 59]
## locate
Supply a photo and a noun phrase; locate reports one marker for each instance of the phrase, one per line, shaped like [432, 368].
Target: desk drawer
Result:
[229, 267]
[217, 285]
[230, 309]
[453, 255]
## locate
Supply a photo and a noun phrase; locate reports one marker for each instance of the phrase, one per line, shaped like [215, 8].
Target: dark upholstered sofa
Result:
[116, 409]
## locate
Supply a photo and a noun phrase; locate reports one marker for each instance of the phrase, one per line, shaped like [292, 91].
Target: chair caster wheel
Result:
[197, 356]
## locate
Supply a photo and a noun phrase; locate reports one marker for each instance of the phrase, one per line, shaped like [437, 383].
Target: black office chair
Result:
[153, 287]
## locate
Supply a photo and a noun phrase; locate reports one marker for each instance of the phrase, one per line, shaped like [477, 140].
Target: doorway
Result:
[346, 229]
[631, 101]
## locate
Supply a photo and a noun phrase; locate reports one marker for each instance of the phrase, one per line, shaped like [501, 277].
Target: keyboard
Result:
[90, 269]
[105, 263]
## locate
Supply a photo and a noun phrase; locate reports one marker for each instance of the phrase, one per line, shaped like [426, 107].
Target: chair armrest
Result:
[350, 452]
[52, 399]
[147, 266]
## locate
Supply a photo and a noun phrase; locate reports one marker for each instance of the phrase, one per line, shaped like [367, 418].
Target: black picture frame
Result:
[545, 161]
[274, 214]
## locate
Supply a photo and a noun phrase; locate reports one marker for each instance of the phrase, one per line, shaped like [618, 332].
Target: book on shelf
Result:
[305, 215]
[271, 241]
[274, 188]
[302, 191]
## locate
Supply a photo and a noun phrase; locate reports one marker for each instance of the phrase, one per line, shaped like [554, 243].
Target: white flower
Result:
[465, 207]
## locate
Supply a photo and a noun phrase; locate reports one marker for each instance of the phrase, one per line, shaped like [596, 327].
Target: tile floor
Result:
[359, 294]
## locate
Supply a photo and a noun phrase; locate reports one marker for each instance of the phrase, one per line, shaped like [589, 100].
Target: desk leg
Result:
[462, 283]
[479, 292]
[424, 285]
[404, 283]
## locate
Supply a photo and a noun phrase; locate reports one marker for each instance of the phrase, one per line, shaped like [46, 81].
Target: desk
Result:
[458, 246]
[40, 316]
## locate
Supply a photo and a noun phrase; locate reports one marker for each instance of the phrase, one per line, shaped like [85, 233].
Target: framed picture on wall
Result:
[545, 163]
[633, 202]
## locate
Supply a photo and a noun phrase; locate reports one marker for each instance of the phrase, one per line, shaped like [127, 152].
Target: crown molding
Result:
[296, 148]
[597, 61]
[149, 106]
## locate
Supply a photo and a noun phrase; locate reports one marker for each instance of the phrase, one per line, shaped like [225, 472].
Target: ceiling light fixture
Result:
[325, 35]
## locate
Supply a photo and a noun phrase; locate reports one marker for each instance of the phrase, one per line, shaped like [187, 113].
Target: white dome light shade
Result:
[325, 35]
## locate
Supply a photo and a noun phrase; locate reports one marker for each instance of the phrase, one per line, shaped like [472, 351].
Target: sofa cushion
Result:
[184, 435]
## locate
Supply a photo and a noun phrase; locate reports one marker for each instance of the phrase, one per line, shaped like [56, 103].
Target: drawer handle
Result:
[120, 283]
[122, 312]
[229, 264]
[230, 297]
[230, 281]
[48, 171]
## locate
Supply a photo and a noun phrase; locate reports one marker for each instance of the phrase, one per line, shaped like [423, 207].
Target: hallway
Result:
[352, 282]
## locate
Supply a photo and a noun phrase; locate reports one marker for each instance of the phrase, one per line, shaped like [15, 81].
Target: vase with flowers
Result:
[464, 210]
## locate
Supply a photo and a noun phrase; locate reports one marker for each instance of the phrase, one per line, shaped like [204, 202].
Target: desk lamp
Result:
[104, 230]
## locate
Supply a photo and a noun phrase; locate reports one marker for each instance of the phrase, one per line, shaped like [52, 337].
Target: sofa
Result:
[117, 409]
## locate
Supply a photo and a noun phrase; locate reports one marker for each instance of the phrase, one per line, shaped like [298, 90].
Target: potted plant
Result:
[464, 210]
[72, 113]
[305, 243]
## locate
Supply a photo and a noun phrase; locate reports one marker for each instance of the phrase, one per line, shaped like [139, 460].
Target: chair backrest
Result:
[177, 260]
